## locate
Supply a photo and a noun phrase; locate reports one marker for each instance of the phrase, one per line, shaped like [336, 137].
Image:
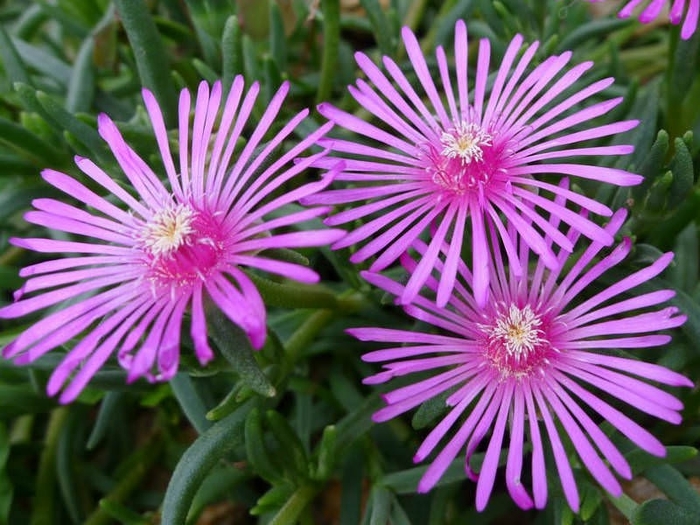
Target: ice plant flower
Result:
[149, 251]
[653, 9]
[470, 149]
[538, 352]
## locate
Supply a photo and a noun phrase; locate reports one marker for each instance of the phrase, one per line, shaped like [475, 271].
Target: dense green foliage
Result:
[286, 435]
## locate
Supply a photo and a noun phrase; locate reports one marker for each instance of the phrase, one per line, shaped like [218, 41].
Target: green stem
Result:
[291, 510]
[331, 42]
[45, 481]
[139, 463]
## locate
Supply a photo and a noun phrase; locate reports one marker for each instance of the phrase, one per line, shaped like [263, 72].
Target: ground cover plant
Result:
[349, 262]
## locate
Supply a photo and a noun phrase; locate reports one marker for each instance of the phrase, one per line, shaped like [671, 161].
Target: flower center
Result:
[464, 160]
[182, 244]
[516, 343]
[464, 142]
[168, 229]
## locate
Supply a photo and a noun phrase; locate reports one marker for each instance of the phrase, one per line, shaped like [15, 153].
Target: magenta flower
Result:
[154, 251]
[653, 9]
[529, 357]
[478, 153]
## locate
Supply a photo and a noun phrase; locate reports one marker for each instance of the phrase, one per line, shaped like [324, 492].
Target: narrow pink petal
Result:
[58, 208]
[639, 368]
[198, 328]
[387, 335]
[145, 357]
[72, 276]
[635, 397]
[634, 432]
[487, 475]
[629, 282]
[156, 117]
[353, 123]
[284, 220]
[409, 211]
[402, 243]
[68, 263]
[585, 451]
[168, 356]
[443, 67]
[690, 24]
[398, 76]
[588, 228]
[461, 63]
[250, 199]
[72, 187]
[27, 306]
[427, 262]
[389, 354]
[602, 442]
[539, 477]
[56, 222]
[368, 99]
[285, 269]
[415, 55]
[566, 476]
[449, 452]
[217, 164]
[89, 343]
[184, 104]
[631, 384]
[88, 367]
[514, 461]
[482, 73]
[385, 87]
[591, 205]
[234, 305]
[358, 212]
[600, 173]
[480, 251]
[136, 170]
[448, 274]
[95, 173]
[225, 172]
[300, 239]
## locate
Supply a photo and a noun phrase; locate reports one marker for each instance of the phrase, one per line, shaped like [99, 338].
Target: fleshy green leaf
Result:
[151, 58]
[658, 511]
[198, 460]
[190, 402]
[81, 88]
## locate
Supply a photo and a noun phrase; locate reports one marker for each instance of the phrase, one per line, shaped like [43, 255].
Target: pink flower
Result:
[478, 148]
[530, 356]
[653, 10]
[152, 251]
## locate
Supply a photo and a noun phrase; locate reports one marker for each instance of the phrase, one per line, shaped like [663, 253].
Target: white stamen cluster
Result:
[465, 141]
[518, 331]
[168, 229]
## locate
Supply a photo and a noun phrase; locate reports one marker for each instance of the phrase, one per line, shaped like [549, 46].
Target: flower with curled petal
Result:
[150, 252]
[480, 150]
[540, 351]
